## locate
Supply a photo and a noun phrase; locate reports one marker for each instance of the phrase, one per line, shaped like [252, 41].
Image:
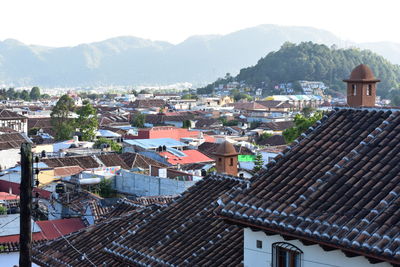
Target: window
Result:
[219, 159]
[369, 89]
[353, 89]
[285, 255]
[259, 244]
[231, 163]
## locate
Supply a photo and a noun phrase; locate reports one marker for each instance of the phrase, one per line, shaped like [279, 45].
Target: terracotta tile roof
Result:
[338, 185]
[184, 233]
[11, 243]
[12, 140]
[91, 242]
[7, 130]
[160, 119]
[124, 206]
[147, 103]
[188, 220]
[67, 171]
[208, 122]
[86, 162]
[135, 160]
[192, 156]
[275, 104]
[56, 228]
[209, 149]
[277, 125]
[78, 201]
[110, 160]
[275, 140]
[248, 106]
[10, 115]
[41, 123]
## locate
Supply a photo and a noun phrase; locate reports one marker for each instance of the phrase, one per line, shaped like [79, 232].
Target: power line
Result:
[69, 243]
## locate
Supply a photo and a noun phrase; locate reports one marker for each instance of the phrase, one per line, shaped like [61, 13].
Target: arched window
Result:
[353, 89]
[286, 255]
[231, 162]
[369, 89]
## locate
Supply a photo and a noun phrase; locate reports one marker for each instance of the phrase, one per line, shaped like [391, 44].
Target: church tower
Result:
[361, 87]
[227, 159]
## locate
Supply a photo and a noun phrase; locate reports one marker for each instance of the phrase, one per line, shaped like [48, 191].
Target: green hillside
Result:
[315, 62]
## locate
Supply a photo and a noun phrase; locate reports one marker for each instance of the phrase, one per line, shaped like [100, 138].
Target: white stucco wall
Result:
[11, 259]
[313, 256]
[9, 158]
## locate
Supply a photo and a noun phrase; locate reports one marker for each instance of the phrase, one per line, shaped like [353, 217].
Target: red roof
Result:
[56, 228]
[15, 238]
[6, 185]
[168, 132]
[7, 196]
[192, 156]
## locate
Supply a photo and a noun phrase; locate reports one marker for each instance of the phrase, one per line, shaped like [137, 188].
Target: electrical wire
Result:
[84, 256]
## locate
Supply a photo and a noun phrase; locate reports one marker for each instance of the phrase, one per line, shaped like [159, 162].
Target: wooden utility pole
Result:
[25, 234]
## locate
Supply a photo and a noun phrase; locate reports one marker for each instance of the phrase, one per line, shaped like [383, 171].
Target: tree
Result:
[264, 136]
[106, 189]
[10, 93]
[134, 92]
[101, 142]
[35, 93]
[301, 124]
[307, 111]
[60, 119]
[189, 96]
[87, 122]
[186, 124]
[3, 210]
[24, 95]
[139, 120]
[144, 91]
[258, 162]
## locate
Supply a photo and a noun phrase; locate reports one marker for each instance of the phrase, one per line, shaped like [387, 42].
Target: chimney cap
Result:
[362, 73]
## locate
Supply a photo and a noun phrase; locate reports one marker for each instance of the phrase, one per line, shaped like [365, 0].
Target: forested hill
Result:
[315, 62]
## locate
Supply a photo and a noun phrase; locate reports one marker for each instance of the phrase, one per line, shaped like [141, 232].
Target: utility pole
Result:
[25, 234]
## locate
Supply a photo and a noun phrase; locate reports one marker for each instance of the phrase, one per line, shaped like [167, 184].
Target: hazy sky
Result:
[70, 22]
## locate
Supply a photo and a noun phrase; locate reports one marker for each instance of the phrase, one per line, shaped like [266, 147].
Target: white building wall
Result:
[313, 256]
[11, 259]
[145, 185]
[9, 158]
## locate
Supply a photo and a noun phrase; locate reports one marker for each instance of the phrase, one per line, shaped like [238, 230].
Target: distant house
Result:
[185, 157]
[10, 147]
[14, 121]
[42, 231]
[152, 144]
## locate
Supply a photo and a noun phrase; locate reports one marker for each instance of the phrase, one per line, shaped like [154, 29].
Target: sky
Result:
[71, 22]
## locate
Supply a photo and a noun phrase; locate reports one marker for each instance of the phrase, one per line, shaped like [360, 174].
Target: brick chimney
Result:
[361, 87]
[227, 159]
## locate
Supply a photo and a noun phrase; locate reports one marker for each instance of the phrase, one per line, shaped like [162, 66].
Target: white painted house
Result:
[262, 250]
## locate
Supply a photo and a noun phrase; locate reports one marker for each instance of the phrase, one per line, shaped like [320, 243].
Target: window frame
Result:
[287, 248]
[353, 89]
[369, 89]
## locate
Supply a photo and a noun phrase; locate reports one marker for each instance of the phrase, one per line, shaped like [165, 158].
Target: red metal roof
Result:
[6, 185]
[192, 156]
[15, 238]
[7, 196]
[56, 228]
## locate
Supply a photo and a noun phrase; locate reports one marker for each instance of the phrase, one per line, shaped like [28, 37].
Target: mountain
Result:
[315, 62]
[135, 61]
